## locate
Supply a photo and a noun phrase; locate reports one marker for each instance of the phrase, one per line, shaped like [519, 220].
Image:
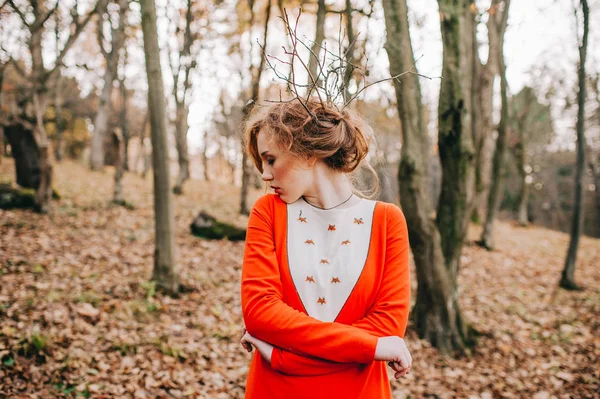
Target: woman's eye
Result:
[270, 161]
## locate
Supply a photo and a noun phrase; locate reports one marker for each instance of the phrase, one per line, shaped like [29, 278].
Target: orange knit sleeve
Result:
[270, 319]
[389, 314]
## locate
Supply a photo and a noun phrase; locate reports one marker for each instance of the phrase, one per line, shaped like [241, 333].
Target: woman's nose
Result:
[266, 176]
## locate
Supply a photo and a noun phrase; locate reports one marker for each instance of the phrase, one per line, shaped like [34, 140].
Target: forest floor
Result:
[79, 318]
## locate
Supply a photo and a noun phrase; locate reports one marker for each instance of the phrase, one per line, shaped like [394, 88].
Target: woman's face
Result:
[287, 174]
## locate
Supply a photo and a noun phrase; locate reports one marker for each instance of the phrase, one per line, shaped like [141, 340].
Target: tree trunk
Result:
[495, 196]
[567, 280]
[521, 153]
[26, 154]
[101, 122]
[105, 104]
[165, 268]
[59, 122]
[436, 313]
[123, 123]
[313, 62]
[181, 130]
[349, 51]
[455, 140]
[118, 145]
[483, 90]
[205, 158]
[256, 75]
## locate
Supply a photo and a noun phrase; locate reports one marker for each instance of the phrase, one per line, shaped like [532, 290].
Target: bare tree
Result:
[530, 128]
[187, 55]
[482, 94]
[123, 122]
[256, 73]
[165, 268]
[567, 279]
[111, 57]
[118, 145]
[495, 194]
[436, 244]
[32, 117]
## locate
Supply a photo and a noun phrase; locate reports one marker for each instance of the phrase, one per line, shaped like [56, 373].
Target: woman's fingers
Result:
[245, 341]
[401, 373]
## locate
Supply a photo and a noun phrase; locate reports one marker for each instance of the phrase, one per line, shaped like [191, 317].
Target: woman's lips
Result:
[276, 189]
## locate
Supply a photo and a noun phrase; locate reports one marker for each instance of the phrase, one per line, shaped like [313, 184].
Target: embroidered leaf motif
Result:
[309, 242]
[358, 221]
[345, 242]
[310, 279]
[301, 219]
[332, 227]
[321, 301]
[324, 261]
[335, 280]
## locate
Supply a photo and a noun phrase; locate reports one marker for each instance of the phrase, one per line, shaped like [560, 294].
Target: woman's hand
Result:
[265, 349]
[394, 351]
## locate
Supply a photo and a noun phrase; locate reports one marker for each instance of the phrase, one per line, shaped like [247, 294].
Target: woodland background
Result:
[120, 128]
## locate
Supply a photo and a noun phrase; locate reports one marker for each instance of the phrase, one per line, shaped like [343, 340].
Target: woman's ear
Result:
[311, 161]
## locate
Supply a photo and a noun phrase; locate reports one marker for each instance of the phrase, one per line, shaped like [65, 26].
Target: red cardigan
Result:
[315, 359]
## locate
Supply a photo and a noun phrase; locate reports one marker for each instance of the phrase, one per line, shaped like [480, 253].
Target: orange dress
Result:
[321, 286]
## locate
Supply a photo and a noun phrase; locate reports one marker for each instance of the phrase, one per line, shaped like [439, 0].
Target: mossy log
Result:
[16, 197]
[207, 226]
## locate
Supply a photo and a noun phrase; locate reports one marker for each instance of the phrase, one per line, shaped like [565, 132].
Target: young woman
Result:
[325, 279]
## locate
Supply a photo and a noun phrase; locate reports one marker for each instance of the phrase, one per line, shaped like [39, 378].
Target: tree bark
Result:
[123, 122]
[495, 195]
[483, 90]
[567, 280]
[521, 153]
[181, 129]
[254, 92]
[118, 144]
[165, 268]
[205, 158]
[110, 74]
[455, 140]
[349, 51]
[182, 111]
[40, 103]
[436, 313]
[59, 122]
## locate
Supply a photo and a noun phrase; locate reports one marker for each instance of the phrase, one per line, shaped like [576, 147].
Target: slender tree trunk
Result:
[110, 74]
[181, 129]
[205, 158]
[349, 51]
[165, 268]
[313, 62]
[59, 122]
[123, 123]
[483, 90]
[118, 145]
[40, 102]
[101, 121]
[436, 313]
[495, 196]
[567, 280]
[521, 153]
[256, 75]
